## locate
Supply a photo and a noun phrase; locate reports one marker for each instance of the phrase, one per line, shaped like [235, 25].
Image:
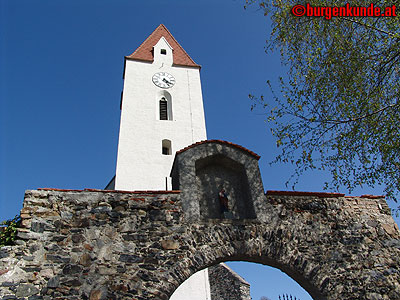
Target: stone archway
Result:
[98, 244]
[243, 241]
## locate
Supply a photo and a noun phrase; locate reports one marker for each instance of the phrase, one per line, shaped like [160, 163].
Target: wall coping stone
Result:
[220, 142]
[111, 191]
[319, 194]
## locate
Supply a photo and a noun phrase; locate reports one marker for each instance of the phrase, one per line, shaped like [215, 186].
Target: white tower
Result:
[161, 112]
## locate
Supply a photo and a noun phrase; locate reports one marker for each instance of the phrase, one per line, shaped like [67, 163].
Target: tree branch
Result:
[370, 27]
[336, 122]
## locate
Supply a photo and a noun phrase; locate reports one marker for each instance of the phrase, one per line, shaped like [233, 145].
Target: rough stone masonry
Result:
[97, 244]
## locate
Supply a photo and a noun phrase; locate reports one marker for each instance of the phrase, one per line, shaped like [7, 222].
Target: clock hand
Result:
[166, 81]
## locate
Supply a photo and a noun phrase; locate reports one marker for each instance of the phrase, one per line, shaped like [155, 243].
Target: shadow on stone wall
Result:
[218, 172]
[201, 170]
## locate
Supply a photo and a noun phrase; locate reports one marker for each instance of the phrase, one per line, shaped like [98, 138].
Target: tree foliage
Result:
[338, 108]
[8, 231]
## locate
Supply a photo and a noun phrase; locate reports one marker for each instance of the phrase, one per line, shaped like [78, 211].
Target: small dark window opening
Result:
[163, 51]
[163, 109]
[166, 147]
[165, 150]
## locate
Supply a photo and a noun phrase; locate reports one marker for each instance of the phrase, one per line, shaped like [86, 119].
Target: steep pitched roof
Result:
[145, 50]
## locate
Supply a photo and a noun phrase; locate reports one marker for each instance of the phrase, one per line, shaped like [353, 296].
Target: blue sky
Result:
[61, 65]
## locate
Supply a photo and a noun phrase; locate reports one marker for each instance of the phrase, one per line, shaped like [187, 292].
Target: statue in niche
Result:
[224, 204]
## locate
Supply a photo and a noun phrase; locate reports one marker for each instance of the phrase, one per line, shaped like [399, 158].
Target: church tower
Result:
[161, 112]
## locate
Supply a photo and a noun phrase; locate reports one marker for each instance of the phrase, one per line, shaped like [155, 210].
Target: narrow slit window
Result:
[164, 51]
[163, 109]
[166, 147]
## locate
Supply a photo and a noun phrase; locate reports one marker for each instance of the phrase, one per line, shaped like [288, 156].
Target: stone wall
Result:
[226, 284]
[90, 245]
[98, 244]
[114, 245]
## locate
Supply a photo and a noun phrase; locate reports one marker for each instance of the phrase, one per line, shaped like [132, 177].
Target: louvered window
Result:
[163, 109]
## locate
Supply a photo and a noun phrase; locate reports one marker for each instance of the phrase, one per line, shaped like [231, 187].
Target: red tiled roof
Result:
[372, 196]
[368, 196]
[295, 193]
[320, 195]
[220, 142]
[111, 191]
[145, 50]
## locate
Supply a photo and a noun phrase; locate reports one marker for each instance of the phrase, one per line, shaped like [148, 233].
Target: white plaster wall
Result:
[196, 287]
[160, 58]
[140, 163]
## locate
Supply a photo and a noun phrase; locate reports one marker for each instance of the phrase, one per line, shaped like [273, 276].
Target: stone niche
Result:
[216, 172]
[201, 170]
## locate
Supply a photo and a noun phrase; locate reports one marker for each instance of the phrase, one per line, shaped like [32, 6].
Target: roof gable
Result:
[145, 51]
[163, 40]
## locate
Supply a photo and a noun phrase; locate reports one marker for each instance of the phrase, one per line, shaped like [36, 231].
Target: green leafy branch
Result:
[8, 231]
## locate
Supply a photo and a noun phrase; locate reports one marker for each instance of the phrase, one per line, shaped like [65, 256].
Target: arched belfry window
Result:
[165, 105]
[166, 147]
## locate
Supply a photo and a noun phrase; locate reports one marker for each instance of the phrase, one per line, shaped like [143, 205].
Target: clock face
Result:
[163, 80]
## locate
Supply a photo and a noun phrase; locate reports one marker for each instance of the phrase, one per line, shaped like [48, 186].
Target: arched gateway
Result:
[98, 244]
